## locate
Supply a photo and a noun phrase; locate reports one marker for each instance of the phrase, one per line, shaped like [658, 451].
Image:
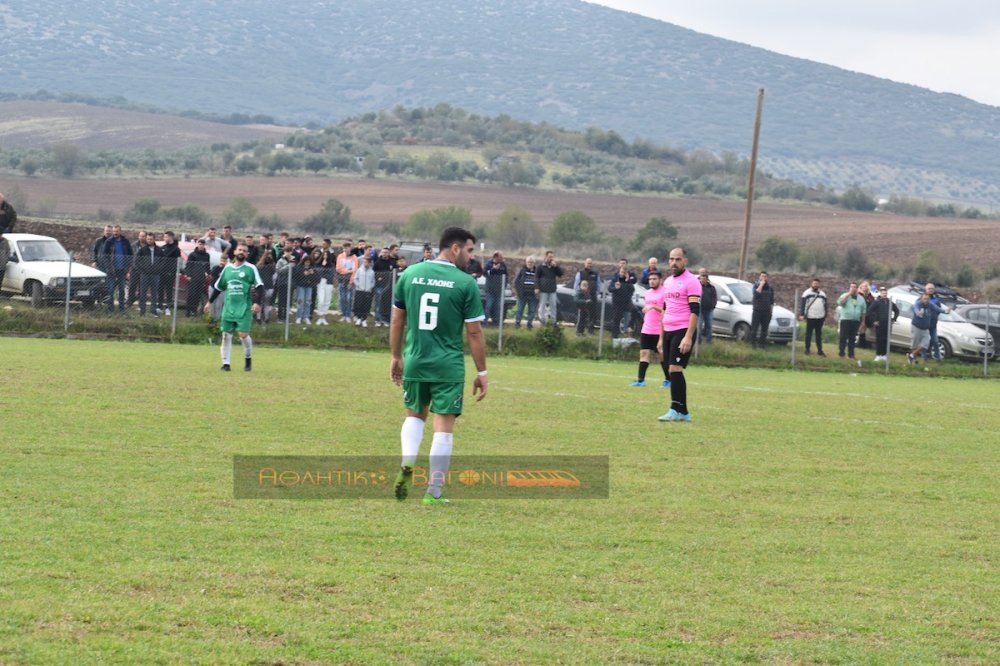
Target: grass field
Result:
[802, 517]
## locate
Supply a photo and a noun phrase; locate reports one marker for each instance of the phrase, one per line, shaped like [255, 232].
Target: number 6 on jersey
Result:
[428, 311]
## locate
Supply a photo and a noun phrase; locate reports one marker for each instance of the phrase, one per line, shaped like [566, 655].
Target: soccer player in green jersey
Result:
[432, 302]
[244, 294]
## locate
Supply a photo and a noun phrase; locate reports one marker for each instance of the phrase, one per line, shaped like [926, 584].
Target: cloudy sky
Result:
[945, 45]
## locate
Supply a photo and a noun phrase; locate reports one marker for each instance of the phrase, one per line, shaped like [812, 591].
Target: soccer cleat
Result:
[430, 500]
[248, 364]
[638, 384]
[404, 479]
[665, 384]
[674, 415]
[225, 367]
[909, 359]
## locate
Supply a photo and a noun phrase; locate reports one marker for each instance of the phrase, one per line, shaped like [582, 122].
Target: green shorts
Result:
[241, 325]
[442, 397]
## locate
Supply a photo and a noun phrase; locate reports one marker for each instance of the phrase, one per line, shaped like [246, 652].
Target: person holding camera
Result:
[763, 306]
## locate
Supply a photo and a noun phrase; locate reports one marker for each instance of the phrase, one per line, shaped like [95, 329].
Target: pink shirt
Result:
[681, 291]
[651, 319]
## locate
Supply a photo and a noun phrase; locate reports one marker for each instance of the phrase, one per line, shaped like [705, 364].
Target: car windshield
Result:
[42, 250]
[742, 291]
[951, 316]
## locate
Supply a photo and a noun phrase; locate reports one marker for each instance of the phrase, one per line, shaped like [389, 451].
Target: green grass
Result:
[802, 518]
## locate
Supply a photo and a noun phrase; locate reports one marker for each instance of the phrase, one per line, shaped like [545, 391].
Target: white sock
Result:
[440, 461]
[247, 346]
[410, 437]
[227, 347]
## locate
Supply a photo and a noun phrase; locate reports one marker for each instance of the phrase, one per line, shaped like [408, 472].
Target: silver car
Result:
[734, 311]
[956, 336]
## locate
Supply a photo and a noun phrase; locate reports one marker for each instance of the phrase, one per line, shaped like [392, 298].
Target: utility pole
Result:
[750, 178]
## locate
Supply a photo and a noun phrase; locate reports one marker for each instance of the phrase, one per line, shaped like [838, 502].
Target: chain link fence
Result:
[148, 296]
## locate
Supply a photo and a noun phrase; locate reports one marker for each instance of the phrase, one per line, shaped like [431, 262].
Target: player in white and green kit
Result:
[432, 302]
[244, 293]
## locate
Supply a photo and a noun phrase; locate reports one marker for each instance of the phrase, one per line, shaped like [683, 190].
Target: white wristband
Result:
[481, 373]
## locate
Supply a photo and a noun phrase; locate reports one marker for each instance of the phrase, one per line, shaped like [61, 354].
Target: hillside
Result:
[26, 124]
[563, 61]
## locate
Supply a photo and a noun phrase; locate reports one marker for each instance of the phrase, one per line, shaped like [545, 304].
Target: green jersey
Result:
[238, 283]
[438, 299]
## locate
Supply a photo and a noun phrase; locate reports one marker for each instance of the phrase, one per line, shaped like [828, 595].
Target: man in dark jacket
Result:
[709, 299]
[197, 269]
[878, 318]
[133, 273]
[97, 257]
[147, 263]
[8, 217]
[621, 287]
[548, 275]
[763, 306]
[168, 270]
[496, 277]
[117, 253]
[383, 268]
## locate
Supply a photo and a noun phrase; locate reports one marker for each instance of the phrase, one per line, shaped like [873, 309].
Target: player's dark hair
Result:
[453, 235]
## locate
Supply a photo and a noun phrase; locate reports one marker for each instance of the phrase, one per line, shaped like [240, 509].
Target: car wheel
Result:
[944, 348]
[35, 291]
[742, 332]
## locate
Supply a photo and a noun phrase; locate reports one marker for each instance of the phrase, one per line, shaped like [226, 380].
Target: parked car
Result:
[39, 268]
[984, 316]
[956, 336]
[734, 312]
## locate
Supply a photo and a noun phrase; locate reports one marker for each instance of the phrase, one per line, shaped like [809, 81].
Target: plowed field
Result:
[716, 227]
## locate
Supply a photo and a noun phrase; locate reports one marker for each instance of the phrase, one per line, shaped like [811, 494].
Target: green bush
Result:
[776, 253]
[550, 340]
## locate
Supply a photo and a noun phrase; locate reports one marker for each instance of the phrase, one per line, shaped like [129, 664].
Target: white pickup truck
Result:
[39, 268]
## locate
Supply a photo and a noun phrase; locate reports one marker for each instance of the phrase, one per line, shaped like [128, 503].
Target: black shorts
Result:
[648, 341]
[672, 348]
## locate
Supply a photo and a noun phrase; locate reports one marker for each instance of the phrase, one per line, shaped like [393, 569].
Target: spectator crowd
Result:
[310, 283]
